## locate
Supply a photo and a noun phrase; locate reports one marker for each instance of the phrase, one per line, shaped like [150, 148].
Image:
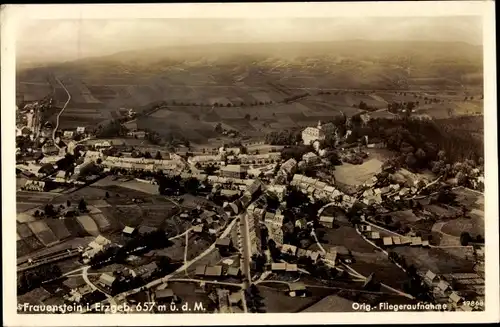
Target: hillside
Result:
[258, 79]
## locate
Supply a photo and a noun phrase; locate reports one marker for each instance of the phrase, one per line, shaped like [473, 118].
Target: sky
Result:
[57, 39]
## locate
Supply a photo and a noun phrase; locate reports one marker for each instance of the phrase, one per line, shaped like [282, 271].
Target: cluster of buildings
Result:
[315, 188]
[443, 289]
[229, 302]
[222, 158]
[71, 133]
[110, 282]
[217, 271]
[391, 241]
[142, 164]
[96, 246]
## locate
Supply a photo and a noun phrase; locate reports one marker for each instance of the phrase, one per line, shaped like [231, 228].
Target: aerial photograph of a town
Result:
[250, 166]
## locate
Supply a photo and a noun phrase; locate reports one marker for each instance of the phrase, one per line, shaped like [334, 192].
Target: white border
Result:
[13, 13]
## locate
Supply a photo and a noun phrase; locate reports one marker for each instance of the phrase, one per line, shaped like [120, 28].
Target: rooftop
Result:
[164, 293]
[233, 168]
[213, 271]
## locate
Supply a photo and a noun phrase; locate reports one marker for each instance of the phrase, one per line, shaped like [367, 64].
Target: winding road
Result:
[60, 112]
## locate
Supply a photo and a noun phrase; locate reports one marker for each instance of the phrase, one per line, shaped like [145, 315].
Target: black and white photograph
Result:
[250, 163]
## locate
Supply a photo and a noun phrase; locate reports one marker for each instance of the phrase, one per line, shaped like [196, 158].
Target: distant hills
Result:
[234, 52]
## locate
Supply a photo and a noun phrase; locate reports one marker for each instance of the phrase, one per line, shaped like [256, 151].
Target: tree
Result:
[247, 117]
[49, 210]
[218, 128]
[158, 156]
[465, 238]
[107, 195]
[82, 205]
[68, 203]
[191, 185]
[461, 178]
[147, 155]
[410, 160]
[387, 220]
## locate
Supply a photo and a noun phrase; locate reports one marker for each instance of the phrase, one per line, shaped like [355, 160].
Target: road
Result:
[60, 113]
[180, 269]
[247, 247]
[194, 280]
[95, 288]
[324, 286]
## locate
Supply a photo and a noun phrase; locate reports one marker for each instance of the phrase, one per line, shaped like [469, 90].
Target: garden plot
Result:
[435, 259]
[88, 224]
[357, 174]
[102, 222]
[59, 229]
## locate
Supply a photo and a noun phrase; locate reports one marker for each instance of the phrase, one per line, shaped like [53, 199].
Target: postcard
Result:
[235, 163]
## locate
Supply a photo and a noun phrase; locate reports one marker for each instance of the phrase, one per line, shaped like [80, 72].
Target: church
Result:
[311, 134]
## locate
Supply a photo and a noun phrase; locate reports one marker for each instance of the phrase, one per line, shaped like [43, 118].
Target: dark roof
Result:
[165, 293]
[233, 271]
[223, 241]
[200, 270]
[146, 229]
[213, 271]
[149, 268]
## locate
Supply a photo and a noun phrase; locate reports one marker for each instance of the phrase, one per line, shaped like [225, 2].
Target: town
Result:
[338, 211]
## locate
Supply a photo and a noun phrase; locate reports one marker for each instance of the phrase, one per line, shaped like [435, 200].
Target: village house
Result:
[301, 223]
[430, 278]
[213, 271]
[311, 134]
[200, 270]
[223, 300]
[223, 243]
[326, 221]
[331, 256]
[297, 289]
[288, 168]
[278, 266]
[233, 171]
[259, 159]
[374, 235]
[129, 231]
[233, 272]
[235, 299]
[207, 160]
[137, 134]
[165, 295]
[310, 158]
[387, 241]
[33, 185]
[289, 249]
[107, 281]
[147, 271]
[364, 228]
[278, 190]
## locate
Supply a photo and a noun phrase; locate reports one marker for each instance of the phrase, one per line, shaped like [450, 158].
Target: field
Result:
[59, 228]
[102, 222]
[357, 174]
[455, 227]
[384, 270]
[88, 224]
[26, 200]
[140, 186]
[438, 260]
[344, 236]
